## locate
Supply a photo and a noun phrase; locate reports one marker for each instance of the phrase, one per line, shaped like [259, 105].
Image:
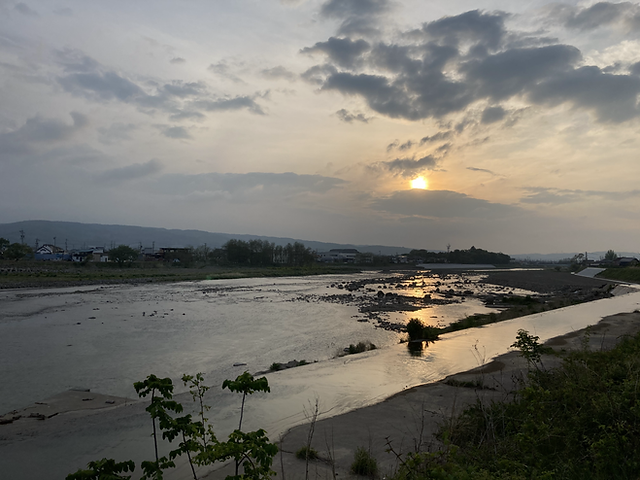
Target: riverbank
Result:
[409, 421]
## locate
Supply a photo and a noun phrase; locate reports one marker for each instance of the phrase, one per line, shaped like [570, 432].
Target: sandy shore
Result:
[409, 420]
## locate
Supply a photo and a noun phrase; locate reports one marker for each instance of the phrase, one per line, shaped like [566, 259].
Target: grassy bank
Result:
[50, 274]
[579, 421]
[627, 274]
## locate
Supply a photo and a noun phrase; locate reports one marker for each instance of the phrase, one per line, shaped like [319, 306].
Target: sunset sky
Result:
[311, 118]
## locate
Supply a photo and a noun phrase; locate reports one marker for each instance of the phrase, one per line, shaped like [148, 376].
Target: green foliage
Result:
[364, 464]
[580, 421]
[196, 439]
[627, 274]
[529, 347]
[264, 253]
[16, 251]
[105, 469]
[123, 255]
[419, 331]
[305, 453]
[473, 255]
[610, 256]
[275, 366]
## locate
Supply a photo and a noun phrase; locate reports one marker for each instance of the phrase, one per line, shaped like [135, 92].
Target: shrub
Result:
[275, 366]
[361, 347]
[307, 452]
[364, 464]
[415, 328]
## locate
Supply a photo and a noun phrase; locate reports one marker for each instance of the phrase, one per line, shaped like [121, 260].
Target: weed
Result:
[305, 453]
[364, 464]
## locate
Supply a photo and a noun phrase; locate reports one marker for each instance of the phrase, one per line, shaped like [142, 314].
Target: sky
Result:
[312, 119]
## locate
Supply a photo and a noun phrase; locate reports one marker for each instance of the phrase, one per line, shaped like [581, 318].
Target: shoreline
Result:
[410, 419]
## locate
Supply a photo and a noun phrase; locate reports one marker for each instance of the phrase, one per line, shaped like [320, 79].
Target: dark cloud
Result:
[456, 62]
[473, 28]
[359, 17]
[318, 73]
[408, 166]
[613, 98]
[635, 68]
[130, 172]
[84, 77]
[279, 72]
[443, 204]
[227, 104]
[446, 135]
[38, 130]
[597, 15]
[343, 51]
[483, 170]
[177, 60]
[24, 9]
[555, 196]
[515, 71]
[178, 133]
[348, 117]
[492, 115]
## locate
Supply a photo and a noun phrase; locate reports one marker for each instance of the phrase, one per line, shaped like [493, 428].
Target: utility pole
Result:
[66, 245]
[37, 240]
[22, 236]
[54, 241]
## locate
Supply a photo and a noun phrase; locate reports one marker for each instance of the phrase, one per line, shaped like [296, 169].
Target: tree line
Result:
[473, 256]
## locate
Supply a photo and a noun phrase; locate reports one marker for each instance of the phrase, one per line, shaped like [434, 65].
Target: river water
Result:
[106, 338]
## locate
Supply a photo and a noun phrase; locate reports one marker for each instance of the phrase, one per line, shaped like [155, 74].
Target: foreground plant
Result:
[251, 450]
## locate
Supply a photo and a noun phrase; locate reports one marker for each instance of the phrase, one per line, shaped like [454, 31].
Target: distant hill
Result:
[79, 235]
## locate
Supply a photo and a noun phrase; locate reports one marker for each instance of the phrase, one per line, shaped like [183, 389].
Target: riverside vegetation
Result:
[252, 452]
[578, 421]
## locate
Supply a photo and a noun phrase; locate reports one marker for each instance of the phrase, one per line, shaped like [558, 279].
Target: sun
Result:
[420, 183]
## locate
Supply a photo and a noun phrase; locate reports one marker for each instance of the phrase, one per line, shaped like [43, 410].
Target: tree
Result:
[123, 254]
[16, 251]
[4, 243]
[610, 256]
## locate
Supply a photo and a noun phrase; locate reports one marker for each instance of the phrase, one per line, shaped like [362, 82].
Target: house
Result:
[338, 255]
[626, 261]
[51, 252]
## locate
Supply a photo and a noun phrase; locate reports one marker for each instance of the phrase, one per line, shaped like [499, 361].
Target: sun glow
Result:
[420, 183]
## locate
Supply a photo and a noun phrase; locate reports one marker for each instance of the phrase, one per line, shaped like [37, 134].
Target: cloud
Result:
[343, 51]
[555, 196]
[40, 131]
[348, 117]
[597, 15]
[223, 70]
[357, 16]
[130, 172]
[408, 166]
[483, 170]
[24, 9]
[453, 64]
[279, 72]
[178, 133]
[492, 115]
[116, 132]
[446, 135]
[613, 98]
[84, 77]
[442, 204]
[226, 104]
[476, 28]
[177, 61]
[244, 187]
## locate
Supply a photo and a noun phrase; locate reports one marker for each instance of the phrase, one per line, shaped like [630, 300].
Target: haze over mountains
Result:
[79, 235]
